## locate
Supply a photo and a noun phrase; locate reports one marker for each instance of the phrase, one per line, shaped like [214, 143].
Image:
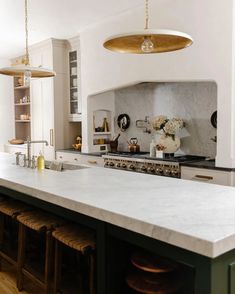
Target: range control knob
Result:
[143, 168]
[123, 165]
[167, 171]
[106, 163]
[132, 167]
[175, 173]
[118, 165]
[111, 164]
[151, 170]
[159, 170]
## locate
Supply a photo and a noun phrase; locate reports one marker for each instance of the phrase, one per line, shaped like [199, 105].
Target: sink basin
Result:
[62, 166]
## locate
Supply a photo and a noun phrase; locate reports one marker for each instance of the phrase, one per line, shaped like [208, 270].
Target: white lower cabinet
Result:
[233, 179]
[207, 175]
[68, 157]
[80, 159]
[12, 149]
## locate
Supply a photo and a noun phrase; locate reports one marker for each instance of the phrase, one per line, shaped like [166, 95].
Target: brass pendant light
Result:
[25, 69]
[148, 40]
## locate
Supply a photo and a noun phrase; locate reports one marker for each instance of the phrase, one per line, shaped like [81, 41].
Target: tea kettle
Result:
[133, 145]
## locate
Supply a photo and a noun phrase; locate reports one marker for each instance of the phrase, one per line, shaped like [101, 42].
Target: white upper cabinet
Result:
[49, 97]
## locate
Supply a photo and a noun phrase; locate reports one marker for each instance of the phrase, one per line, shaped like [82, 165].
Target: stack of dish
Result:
[153, 275]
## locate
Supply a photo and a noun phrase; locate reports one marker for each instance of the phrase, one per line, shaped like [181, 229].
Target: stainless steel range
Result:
[169, 167]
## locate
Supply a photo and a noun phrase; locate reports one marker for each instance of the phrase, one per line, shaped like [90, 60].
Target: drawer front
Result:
[206, 175]
[92, 160]
[70, 157]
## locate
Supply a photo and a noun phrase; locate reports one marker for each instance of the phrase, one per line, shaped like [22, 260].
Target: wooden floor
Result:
[8, 282]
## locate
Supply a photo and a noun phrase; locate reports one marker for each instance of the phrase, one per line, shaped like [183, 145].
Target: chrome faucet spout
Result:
[29, 142]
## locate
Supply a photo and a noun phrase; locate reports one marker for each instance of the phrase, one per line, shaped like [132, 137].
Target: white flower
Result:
[159, 122]
[173, 125]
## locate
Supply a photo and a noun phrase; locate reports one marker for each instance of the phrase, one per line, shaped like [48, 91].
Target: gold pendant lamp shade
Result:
[148, 40]
[21, 70]
[25, 69]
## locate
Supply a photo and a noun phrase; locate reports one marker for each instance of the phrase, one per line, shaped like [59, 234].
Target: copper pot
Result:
[133, 145]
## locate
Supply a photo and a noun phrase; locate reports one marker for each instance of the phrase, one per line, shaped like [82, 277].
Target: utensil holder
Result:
[113, 146]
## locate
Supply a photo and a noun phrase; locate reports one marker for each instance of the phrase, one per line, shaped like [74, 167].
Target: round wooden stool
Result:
[42, 223]
[10, 209]
[153, 274]
[80, 239]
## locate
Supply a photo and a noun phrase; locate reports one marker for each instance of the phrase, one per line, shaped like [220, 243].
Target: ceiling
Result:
[52, 18]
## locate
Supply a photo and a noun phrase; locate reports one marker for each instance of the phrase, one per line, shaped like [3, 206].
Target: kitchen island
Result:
[189, 222]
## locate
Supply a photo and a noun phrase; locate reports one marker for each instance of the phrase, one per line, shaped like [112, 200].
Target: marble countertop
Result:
[195, 216]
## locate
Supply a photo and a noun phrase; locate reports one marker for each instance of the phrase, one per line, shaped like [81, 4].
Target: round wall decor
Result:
[214, 119]
[123, 121]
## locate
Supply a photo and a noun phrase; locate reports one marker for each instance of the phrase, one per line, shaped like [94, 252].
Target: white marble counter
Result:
[195, 216]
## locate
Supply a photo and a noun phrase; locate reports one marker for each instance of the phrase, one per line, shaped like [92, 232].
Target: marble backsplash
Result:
[193, 101]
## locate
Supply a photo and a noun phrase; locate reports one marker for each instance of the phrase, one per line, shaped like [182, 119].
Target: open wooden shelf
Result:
[22, 104]
[21, 88]
[22, 120]
[101, 133]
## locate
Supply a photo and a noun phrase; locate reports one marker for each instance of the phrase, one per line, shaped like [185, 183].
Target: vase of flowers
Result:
[169, 142]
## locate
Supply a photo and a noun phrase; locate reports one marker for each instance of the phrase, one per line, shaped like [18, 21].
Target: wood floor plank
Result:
[8, 282]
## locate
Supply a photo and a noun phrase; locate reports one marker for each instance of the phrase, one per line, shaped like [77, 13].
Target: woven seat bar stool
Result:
[41, 223]
[79, 239]
[9, 210]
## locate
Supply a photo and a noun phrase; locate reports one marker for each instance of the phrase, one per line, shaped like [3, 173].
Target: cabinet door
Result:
[42, 97]
[48, 118]
[36, 115]
[206, 175]
[43, 117]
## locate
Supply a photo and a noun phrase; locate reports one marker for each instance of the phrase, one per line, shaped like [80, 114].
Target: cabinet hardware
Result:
[51, 137]
[75, 159]
[92, 161]
[202, 177]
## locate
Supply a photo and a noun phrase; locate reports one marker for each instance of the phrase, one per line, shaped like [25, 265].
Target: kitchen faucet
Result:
[29, 142]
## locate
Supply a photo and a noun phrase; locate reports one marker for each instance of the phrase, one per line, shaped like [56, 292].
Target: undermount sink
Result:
[62, 166]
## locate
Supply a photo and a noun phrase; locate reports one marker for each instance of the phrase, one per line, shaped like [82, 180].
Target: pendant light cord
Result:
[146, 14]
[26, 34]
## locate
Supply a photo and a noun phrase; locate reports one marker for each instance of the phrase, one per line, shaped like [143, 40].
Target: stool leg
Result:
[48, 261]
[21, 255]
[57, 270]
[91, 273]
[1, 236]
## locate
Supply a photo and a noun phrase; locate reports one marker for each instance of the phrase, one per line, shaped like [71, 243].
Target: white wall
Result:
[6, 108]
[210, 58]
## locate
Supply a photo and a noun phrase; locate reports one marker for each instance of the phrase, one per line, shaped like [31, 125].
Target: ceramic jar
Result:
[168, 144]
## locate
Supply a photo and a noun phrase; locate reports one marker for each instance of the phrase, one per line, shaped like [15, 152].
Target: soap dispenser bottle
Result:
[40, 161]
[152, 150]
